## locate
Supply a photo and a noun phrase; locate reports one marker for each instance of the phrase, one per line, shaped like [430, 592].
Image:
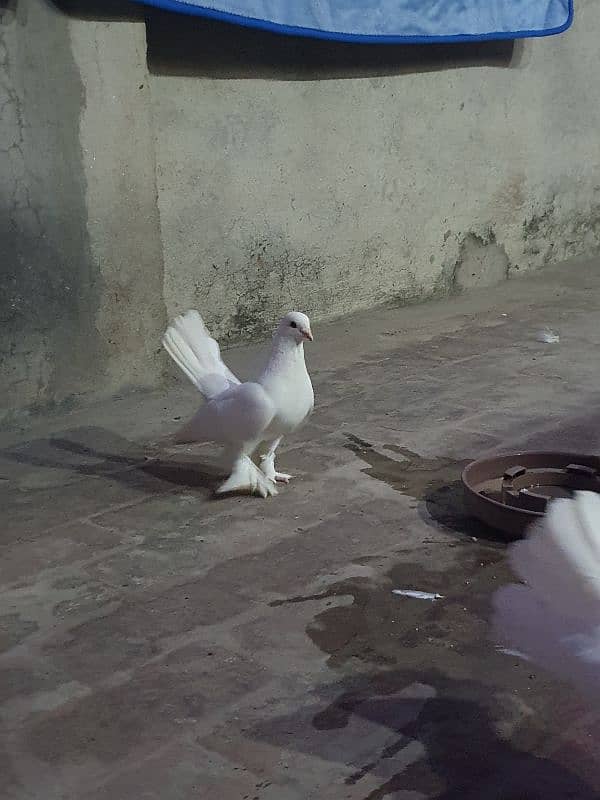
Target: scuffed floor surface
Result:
[157, 644]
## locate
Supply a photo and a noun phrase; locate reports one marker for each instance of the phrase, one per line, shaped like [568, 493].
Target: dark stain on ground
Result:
[414, 475]
[464, 757]
[383, 628]
[435, 481]
[476, 689]
[445, 506]
[474, 739]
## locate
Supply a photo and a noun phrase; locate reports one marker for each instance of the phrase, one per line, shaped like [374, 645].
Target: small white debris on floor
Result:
[507, 652]
[546, 336]
[418, 595]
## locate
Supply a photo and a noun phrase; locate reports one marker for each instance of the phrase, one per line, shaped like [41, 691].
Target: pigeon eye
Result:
[293, 325]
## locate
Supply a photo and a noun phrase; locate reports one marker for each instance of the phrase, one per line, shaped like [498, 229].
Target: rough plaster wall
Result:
[328, 194]
[117, 142]
[331, 195]
[81, 308]
[48, 293]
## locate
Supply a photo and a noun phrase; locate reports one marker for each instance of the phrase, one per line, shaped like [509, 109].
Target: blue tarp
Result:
[389, 21]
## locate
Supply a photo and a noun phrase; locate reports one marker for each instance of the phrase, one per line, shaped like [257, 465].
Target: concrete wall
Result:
[152, 162]
[47, 289]
[80, 251]
[331, 181]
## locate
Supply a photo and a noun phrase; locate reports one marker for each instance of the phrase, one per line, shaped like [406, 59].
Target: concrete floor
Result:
[157, 644]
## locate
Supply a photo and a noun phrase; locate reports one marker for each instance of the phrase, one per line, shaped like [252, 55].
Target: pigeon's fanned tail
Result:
[197, 354]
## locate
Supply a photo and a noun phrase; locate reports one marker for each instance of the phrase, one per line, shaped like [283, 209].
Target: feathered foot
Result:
[246, 477]
[267, 465]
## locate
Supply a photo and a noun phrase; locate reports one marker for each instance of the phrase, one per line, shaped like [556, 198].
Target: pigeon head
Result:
[295, 326]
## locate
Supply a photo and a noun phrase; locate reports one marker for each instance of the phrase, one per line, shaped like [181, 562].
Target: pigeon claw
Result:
[247, 478]
[265, 490]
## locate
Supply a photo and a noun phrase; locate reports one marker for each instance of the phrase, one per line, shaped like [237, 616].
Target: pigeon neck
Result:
[285, 352]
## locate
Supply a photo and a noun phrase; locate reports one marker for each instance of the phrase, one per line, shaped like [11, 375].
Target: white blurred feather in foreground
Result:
[242, 416]
[555, 618]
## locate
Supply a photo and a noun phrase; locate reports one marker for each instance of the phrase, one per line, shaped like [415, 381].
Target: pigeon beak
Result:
[308, 335]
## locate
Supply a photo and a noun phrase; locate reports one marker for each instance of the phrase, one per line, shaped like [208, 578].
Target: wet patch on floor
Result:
[381, 627]
[463, 718]
[413, 475]
[435, 481]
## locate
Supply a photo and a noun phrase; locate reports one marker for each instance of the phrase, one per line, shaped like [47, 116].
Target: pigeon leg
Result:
[245, 475]
[267, 464]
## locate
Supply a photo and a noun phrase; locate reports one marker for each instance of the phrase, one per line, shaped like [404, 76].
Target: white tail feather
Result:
[555, 618]
[560, 559]
[197, 355]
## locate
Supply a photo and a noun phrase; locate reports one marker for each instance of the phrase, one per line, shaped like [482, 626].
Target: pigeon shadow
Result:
[97, 452]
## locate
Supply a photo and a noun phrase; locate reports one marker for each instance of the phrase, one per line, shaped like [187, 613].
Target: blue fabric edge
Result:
[182, 7]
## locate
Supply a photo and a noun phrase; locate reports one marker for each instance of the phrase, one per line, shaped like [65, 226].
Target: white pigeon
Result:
[244, 415]
[555, 618]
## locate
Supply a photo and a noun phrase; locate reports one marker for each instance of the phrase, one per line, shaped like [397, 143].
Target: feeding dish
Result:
[509, 492]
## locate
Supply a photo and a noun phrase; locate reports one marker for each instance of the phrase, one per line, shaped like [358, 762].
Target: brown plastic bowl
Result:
[510, 499]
